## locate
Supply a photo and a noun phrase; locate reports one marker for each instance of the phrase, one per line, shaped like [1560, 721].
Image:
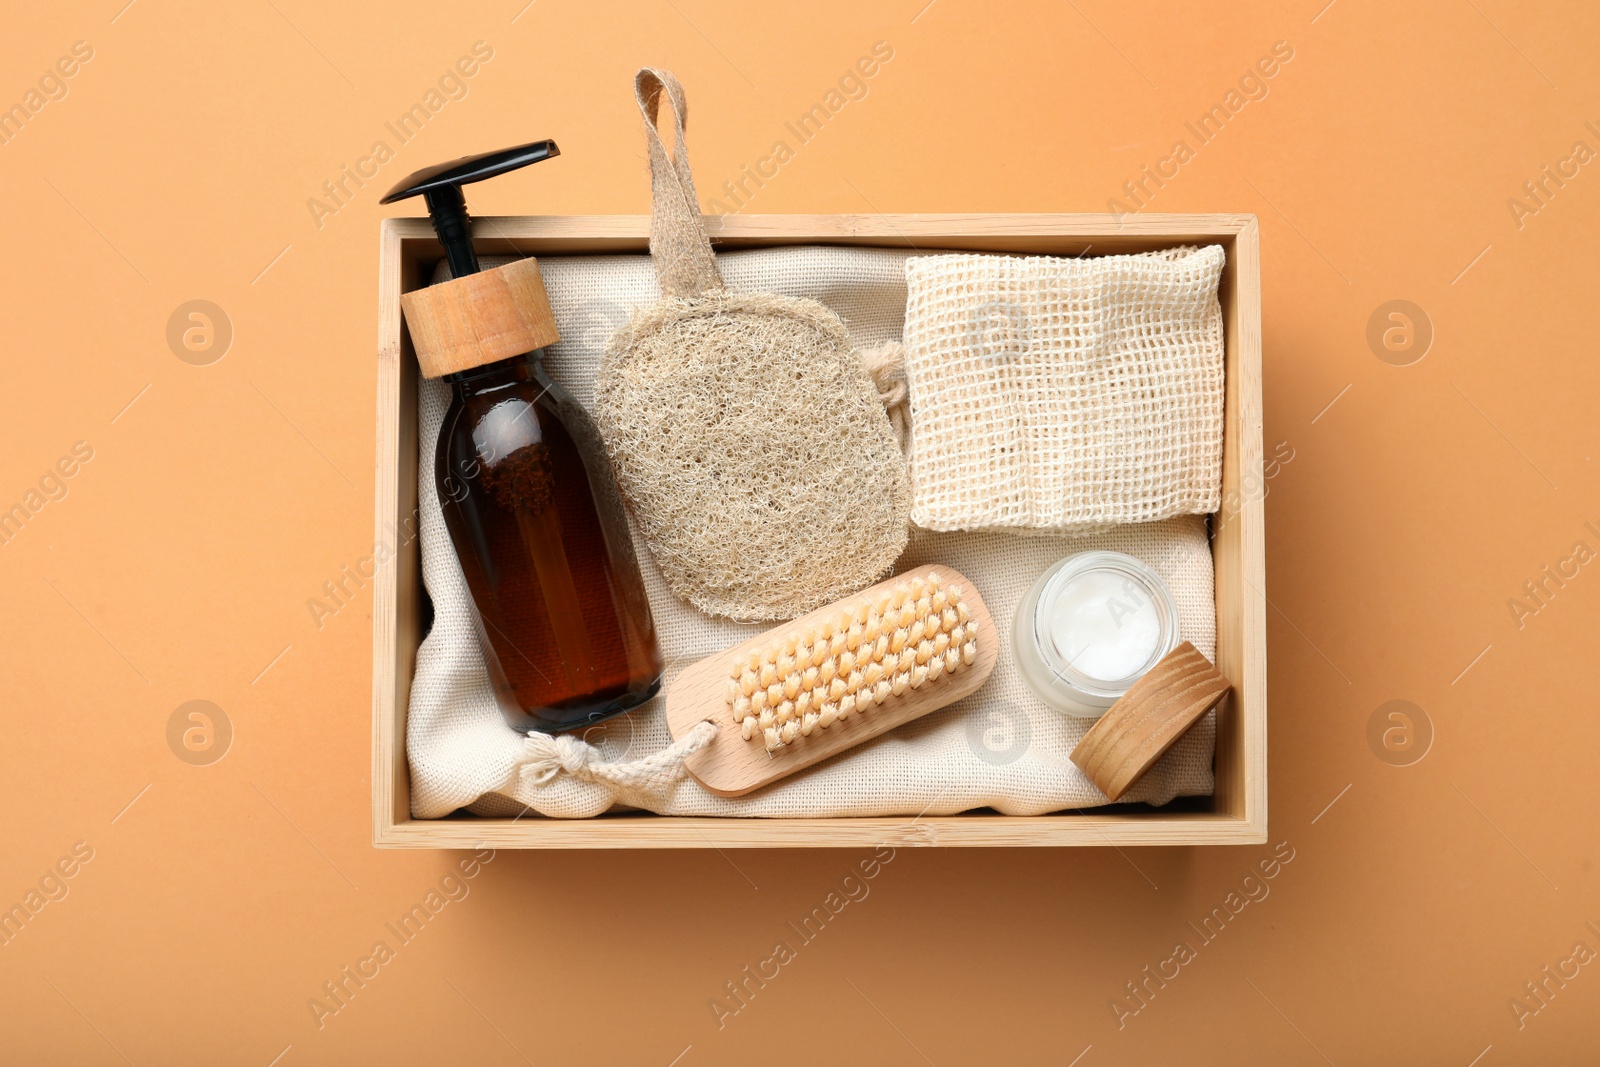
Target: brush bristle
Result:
[871, 649]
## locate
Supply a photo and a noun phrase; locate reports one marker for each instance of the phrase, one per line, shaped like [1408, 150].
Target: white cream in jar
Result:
[1090, 627]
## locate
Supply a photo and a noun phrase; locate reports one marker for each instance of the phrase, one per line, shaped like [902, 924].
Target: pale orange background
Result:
[180, 563]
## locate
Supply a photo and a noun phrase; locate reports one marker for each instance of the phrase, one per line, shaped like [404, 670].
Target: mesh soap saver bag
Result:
[747, 435]
[1064, 394]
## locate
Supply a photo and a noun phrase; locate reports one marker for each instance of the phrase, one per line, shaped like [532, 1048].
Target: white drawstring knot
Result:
[886, 363]
[545, 756]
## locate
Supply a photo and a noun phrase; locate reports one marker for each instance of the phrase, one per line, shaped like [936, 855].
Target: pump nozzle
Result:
[440, 185]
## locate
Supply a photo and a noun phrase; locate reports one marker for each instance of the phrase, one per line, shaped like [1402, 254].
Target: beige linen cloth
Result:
[998, 748]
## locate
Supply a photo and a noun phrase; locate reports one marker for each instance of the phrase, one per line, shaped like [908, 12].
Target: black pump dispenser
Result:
[440, 185]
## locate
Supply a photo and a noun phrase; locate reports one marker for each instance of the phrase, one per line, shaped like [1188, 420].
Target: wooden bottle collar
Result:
[481, 318]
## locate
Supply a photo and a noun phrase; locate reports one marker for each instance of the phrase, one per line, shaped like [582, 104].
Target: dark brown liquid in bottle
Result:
[532, 507]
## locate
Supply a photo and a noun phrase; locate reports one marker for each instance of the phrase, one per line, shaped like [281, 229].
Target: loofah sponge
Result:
[751, 444]
[747, 435]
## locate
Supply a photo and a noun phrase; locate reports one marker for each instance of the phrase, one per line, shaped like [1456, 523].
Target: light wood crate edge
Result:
[1239, 805]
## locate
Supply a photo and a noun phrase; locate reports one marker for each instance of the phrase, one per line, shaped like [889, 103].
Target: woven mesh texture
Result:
[1000, 747]
[750, 443]
[1064, 394]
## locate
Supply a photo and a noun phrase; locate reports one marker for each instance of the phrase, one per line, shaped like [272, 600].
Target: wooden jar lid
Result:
[1148, 719]
[484, 317]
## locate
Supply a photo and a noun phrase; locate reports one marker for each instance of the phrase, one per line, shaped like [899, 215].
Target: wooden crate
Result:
[1235, 815]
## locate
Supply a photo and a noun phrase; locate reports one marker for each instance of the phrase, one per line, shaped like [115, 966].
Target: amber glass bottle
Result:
[531, 505]
[524, 481]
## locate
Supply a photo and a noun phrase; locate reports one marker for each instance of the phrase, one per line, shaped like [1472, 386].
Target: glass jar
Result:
[532, 507]
[1090, 627]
